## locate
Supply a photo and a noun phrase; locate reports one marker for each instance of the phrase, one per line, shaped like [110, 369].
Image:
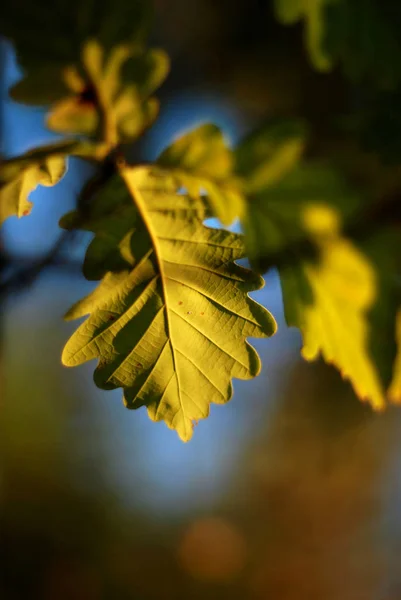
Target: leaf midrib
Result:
[142, 209]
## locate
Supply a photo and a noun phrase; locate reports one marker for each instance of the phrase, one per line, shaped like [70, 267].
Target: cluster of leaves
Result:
[170, 318]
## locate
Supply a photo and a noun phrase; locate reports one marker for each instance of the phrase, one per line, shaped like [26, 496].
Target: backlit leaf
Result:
[20, 176]
[169, 323]
[333, 314]
[329, 286]
[201, 162]
[93, 96]
[329, 298]
[102, 100]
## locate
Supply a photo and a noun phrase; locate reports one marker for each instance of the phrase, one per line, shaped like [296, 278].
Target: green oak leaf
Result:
[329, 285]
[95, 95]
[21, 175]
[201, 162]
[170, 326]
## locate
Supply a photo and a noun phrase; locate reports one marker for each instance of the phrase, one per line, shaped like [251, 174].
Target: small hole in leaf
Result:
[189, 312]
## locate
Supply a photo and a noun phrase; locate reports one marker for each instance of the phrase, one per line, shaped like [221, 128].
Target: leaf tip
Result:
[66, 357]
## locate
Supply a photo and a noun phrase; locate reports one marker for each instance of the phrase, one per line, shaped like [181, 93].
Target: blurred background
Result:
[291, 491]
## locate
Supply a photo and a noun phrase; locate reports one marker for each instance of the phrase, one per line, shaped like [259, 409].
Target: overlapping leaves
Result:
[86, 62]
[169, 321]
[93, 96]
[170, 317]
[330, 287]
[201, 162]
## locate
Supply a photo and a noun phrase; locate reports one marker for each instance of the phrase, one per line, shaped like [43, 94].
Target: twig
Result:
[24, 276]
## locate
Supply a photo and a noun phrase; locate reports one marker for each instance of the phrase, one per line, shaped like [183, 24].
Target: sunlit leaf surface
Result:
[93, 96]
[169, 323]
[20, 176]
[201, 162]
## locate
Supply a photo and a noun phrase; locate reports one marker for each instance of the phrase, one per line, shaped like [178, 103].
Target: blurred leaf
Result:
[362, 34]
[286, 217]
[337, 296]
[171, 327]
[266, 155]
[381, 249]
[395, 387]
[333, 315]
[312, 12]
[94, 94]
[148, 70]
[283, 191]
[52, 32]
[201, 162]
[329, 286]
[20, 176]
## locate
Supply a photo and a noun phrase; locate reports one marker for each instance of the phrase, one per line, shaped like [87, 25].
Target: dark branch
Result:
[19, 273]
